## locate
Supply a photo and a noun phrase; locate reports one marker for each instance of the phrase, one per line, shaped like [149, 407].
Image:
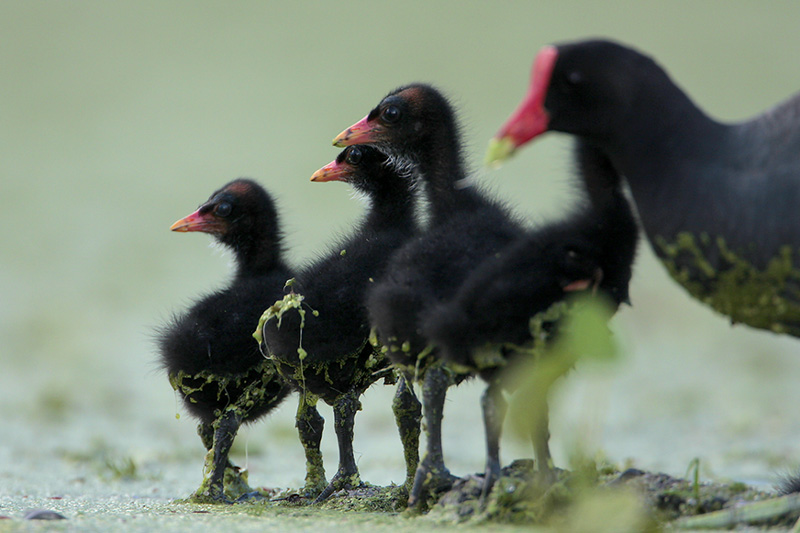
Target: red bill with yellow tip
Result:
[197, 221]
[333, 171]
[530, 119]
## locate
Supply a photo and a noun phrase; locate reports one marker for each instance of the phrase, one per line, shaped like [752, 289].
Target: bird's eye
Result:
[569, 81]
[354, 155]
[573, 79]
[223, 209]
[391, 114]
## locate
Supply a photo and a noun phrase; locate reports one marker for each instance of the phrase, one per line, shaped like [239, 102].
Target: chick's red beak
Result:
[530, 119]
[362, 132]
[333, 171]
[583, 284]
[198, 222]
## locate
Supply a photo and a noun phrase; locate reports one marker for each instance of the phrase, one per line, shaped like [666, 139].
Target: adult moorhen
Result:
[718, 202]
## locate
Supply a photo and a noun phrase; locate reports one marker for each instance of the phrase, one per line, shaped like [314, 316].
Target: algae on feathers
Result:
[292, 300]
[252, 385]
[766, 298]
[375, 362]
[252, 390]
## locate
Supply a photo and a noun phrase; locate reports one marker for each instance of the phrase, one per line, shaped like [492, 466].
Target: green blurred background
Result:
[117, 118]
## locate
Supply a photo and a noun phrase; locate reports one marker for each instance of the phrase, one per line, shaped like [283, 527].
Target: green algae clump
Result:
[249, 389]
[767, 298]
[292, 300]
[234, 483]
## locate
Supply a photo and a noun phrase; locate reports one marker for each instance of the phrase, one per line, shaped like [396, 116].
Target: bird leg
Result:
[494, 410]
[408, 413]
[540, 437]
[344, 412]
[432, 475]
[224, 431]
[309, 425]
[206, 432]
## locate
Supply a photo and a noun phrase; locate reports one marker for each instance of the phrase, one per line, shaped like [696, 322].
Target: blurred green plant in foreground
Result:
[583, 334]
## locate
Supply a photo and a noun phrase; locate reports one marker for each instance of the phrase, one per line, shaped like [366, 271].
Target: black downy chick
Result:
[416, 126]
[208, 351]
[330, 356]
[592, 248]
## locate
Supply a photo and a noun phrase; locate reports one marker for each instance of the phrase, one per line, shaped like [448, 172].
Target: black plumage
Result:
[717, 201]
[208, 351]
[591, 248]
[416, 126]
[338, 362]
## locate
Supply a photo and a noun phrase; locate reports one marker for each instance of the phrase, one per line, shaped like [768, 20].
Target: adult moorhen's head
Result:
[588, 88]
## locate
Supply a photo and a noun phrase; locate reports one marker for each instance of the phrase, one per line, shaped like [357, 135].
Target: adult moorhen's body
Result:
[208, 351]
[327, 353]
[718, 201]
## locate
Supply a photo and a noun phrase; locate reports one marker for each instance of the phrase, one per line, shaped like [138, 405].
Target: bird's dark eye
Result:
[223, 209]
[354, 155]
[572, 80]
[569, 81]
[391, 114]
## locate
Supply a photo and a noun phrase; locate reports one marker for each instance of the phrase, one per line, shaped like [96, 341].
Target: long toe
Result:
[253, 496]
[325, 494]
[490, 477]
[342, 480]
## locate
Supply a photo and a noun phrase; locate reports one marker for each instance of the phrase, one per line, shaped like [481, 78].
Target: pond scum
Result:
[591, 497]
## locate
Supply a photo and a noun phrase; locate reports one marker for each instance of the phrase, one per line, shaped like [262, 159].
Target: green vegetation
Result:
[591, 498]
[766, 298]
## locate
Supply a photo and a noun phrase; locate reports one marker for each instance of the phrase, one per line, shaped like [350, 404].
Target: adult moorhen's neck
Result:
[664, 151]
[612, 216]
[663, 129]
[601, 180]
[603, 185]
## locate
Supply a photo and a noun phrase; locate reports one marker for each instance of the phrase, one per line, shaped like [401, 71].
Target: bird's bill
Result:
[197, 222]
[333, 171]
[579, 285]
[530, 118]
[362, 132]
[584, 284]
[500, 149]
